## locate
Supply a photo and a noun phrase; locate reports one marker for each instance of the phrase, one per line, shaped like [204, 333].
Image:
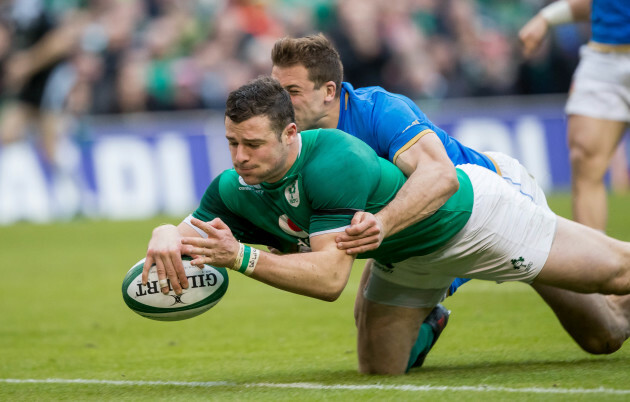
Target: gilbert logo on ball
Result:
[206, 288]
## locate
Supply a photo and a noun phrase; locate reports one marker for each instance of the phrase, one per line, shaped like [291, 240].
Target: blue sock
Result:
[422, 345]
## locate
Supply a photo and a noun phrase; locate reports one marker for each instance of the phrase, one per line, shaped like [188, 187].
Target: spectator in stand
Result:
[42, 37]
[173, 55]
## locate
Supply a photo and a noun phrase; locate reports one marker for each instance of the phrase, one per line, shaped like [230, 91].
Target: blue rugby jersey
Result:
[610, 22]
[391, 123]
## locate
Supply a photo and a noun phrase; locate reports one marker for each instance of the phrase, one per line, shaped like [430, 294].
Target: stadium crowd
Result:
[155, 55]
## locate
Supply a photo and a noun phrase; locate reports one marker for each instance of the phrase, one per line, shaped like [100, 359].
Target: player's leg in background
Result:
[619, 178]
[592, 143]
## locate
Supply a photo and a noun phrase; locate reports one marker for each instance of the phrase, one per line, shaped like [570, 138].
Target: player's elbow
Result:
[450, 182]
[330, 297]
[332, 293]
[327, 295]
[332, 288]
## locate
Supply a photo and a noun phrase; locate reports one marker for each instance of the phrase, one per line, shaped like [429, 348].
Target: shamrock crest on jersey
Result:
[292, 194]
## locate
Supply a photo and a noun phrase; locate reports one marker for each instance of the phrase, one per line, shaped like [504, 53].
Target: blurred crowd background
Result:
[69, 68]
[121, 56]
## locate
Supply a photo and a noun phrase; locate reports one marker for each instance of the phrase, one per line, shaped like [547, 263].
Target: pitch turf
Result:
[63, 319]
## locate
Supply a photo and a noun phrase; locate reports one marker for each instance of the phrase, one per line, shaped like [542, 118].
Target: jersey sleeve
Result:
[212, 206]
[397, 124]
[339, 185]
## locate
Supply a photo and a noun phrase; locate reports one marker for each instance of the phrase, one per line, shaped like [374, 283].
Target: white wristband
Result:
[246, 259]
[253, 260]
[239, 257]
[557, 13]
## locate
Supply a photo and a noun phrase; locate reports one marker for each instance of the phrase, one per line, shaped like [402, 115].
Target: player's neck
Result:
[292, 155]
[294, 152]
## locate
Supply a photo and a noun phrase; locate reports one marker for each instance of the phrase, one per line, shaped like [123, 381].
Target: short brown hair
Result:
[262, 96]
[315, 53]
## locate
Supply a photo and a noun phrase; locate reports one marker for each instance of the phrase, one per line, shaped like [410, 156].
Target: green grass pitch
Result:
[63, 319]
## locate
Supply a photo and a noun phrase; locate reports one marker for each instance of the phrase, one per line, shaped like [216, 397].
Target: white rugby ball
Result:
[206, 287]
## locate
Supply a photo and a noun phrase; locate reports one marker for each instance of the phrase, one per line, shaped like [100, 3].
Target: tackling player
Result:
[310, 69]
[485, 230]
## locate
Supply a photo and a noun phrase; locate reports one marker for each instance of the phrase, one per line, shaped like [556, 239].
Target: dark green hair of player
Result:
[315, 53]
[263, 96]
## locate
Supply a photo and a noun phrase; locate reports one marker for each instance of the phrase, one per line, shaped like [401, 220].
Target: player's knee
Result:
[620, 285]
[585, 164]
[618, 282]
[382, 367]
[602, 345]
[376, 359]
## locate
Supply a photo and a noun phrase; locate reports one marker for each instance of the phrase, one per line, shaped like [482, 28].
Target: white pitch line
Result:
[315, 386]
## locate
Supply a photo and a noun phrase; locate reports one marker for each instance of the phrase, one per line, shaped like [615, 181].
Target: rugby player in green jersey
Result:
[311, 71]
[318, 179]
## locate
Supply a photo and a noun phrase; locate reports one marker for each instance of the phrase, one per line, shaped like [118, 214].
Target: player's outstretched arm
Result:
[322, 273]
[431, 182]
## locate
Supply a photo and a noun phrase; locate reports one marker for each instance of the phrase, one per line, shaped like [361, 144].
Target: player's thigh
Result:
[585, 260]
[592, 142]
[388, 321]
[386, 335]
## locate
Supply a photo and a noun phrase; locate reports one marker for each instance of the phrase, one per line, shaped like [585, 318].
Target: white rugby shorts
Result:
[507, 238]
[601, 85]
[518, 177]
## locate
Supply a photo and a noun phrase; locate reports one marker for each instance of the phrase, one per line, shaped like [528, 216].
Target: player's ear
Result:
[331, 89]
[291, 132]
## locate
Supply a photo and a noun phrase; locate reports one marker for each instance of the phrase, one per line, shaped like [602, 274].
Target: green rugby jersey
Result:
[334, 176]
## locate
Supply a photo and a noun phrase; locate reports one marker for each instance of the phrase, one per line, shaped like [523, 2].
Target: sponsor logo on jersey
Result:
[289, 227]
[292, 194]
[416, 122]
[248, 187]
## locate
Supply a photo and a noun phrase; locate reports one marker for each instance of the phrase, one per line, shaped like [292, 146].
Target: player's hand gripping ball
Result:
[206, 288]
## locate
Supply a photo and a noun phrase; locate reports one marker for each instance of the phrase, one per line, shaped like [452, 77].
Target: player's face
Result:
[257, 153]
[308, 102]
